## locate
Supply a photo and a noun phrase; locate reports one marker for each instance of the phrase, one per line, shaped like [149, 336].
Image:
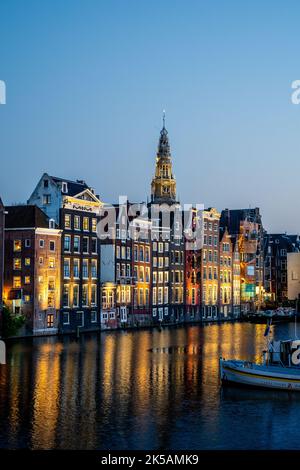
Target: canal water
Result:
[144, 389]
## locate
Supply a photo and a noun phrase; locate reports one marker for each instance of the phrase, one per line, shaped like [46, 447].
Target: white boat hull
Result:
[255, 375]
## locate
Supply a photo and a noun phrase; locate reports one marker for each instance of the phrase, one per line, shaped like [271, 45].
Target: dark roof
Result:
[232, 218]
[74, 187]
[25, 217]
[1, 204]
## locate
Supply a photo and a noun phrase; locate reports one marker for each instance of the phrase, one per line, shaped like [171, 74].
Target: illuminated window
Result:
[51, 263]
[27, 262]
[67, 221]
[76, 222]
[17, 263]
[27, 280]
[160, 247]
[154, 246]
[17, 282]
[85, 294]
[17, 245]
[85, 224]
[154, 300]
[26, 298]
[50, 320]
[147, 297]
[94, 225]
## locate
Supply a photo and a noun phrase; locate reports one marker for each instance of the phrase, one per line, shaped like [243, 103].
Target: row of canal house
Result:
[79, 264]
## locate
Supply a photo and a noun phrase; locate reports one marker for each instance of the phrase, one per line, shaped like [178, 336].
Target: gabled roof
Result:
[74, 187]
[25, 217]
[232, 218]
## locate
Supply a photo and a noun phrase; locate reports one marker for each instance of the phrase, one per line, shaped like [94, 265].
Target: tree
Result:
[11, 323]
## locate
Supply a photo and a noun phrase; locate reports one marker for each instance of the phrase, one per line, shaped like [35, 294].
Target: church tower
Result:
[163, 186]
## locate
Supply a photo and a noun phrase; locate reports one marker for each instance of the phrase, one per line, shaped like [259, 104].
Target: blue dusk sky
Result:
[87, 82]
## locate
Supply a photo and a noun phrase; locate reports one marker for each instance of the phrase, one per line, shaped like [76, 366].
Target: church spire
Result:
[163, 186]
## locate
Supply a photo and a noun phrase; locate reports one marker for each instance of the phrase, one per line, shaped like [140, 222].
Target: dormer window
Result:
[51, 223]
[65, 187]
[46, 183]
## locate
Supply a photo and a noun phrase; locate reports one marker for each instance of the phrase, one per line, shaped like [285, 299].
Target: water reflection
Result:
[142, 390]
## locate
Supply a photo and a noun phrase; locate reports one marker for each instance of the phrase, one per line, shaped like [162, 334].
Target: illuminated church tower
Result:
[163, 186]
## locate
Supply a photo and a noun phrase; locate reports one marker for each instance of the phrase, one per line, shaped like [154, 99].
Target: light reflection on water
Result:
[142, 390]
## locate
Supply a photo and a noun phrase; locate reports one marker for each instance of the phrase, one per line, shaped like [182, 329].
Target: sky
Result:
[87, 82]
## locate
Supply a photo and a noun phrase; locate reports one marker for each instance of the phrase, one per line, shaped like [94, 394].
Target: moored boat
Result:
[280, 368]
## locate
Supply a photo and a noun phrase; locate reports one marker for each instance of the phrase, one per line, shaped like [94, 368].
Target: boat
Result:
[279, 315]
[279, 369]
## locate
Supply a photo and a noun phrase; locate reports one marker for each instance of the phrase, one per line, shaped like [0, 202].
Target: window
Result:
[141, 297]
[27, 298]
[147, 274]
[123, 252]
[27, 243]
[66, 268]
[147, 297]
[67, 221]
[94, 245]
[94, 268]
[166, 261]
[93, 316]
[80, 319]
[42, 243]
[93, 295]
[85, 224]
[76, 245]
[128, 270]
[250, 270]
[67, 243]
[154, 246]
[76, 295]
[46, 183]
[50, 320]
[147, 254]
[76, 268]
[166, 295]
[94, 225]
[160, 295]
[85, 294]
[128, 252]
[160, 247]
[17, 263]
[85, 268]
[66, 295]
[52, 245]
[66, 318]
[154, 261]
[17, 282]
[154, 296]
[17, 245]
[46, 199]
[193, 296]
[27, 261]
[160, 262]
[27, 280]
[154, 312]
[51, 223]
[64, 187]
[85, 245]
[51, 263]
[76, 222]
